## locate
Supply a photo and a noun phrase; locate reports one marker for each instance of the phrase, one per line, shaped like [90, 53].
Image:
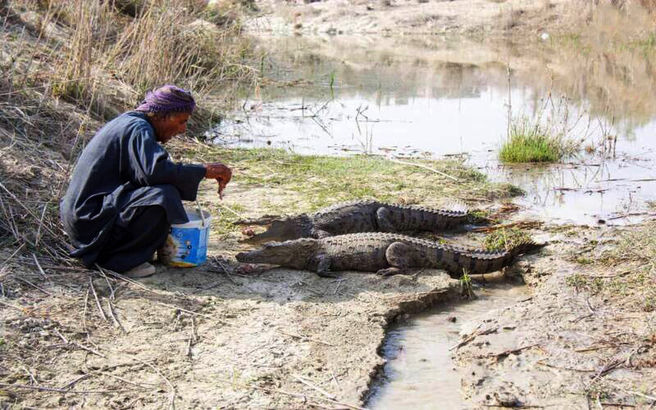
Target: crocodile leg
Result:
[323, 267]
[384, 220]
[320, 234]
[399, 257]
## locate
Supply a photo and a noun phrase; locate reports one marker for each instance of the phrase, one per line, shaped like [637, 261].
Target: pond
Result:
[432, 97]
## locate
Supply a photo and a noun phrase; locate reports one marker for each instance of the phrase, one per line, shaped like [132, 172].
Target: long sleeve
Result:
[149, 164]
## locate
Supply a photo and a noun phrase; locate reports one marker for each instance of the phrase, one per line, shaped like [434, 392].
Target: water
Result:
[339, 97]
[419, 373]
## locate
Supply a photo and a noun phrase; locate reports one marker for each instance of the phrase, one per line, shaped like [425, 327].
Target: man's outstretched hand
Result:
[221, 173]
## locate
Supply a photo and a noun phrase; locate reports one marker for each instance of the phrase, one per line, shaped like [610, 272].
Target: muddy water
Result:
[437, 98]
[419, 373]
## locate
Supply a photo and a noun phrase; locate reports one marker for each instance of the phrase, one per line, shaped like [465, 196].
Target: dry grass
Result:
[633, 271]
[71, 65]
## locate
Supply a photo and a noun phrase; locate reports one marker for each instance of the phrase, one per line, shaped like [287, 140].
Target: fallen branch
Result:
[38, 265]
[317, 388]
[306, 338]
[95, 295]
[474, 336]
[12, 306]
[172, 398]
[76, 344]
[631, 214]
[506, 352]
[29, 211]
[58, 390]
[33, 285]
[425, 167]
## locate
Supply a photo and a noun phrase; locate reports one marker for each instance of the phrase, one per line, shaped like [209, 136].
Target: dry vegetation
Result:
[69, 65]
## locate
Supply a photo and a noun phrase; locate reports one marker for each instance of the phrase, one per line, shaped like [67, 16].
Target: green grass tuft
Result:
[504, 239]
[529, 147]
[534, 143]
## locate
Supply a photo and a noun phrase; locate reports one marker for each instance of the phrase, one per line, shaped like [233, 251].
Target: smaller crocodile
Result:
[383, 253]
[357, 216]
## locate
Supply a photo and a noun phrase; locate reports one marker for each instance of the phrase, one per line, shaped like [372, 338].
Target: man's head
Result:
[168, 109]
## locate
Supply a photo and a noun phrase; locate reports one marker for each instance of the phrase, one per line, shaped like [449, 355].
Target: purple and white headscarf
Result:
[167, 98]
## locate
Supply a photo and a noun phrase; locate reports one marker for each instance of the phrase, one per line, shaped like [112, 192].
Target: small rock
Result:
[451, 319]
[507, 400]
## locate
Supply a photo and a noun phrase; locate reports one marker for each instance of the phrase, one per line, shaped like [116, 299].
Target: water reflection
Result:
[435, 97]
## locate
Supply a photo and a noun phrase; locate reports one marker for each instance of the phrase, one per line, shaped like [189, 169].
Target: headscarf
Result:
[168, 98]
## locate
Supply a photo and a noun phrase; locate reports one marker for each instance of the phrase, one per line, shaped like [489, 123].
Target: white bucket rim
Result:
[195, 221]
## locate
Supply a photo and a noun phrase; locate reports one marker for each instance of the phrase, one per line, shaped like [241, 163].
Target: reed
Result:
[69, 65]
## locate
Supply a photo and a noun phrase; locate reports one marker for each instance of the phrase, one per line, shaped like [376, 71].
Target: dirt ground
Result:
[572, 344]
[198, 338]
[204, 338]
[400, 17]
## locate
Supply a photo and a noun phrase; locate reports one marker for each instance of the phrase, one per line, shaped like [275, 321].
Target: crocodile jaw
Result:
[293, 254]
[284, 229]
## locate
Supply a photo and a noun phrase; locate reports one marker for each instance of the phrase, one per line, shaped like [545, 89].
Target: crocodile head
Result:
[293, 254]
[292, 227]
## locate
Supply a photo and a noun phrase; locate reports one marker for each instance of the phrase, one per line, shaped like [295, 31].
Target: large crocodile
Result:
[358, 216]
[383, 253]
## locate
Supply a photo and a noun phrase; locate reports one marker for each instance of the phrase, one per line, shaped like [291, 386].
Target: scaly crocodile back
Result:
[347, 217]
[360, 216]
[366, 252]
[413, 218]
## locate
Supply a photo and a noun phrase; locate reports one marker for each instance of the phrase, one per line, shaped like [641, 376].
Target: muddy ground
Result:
[585, 339]
[203, 338]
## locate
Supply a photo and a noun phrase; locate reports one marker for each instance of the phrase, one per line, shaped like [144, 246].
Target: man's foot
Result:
[167, 252]
[141, 271]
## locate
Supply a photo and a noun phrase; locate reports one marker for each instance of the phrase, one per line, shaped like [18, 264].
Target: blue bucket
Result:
[189, 240]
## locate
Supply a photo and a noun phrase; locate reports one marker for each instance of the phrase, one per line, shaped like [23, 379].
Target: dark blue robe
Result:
[124, 194]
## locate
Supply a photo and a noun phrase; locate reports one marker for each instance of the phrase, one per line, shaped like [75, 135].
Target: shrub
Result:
[531, 143]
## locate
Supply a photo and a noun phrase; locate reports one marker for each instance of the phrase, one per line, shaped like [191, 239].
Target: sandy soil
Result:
[252, 342]
[566, 347]
[472, 17]
[198, 338]
[201, 338]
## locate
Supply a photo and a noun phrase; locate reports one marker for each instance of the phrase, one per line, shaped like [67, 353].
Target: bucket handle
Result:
[200, 212]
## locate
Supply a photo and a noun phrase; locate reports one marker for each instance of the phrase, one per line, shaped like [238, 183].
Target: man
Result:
[125, 192]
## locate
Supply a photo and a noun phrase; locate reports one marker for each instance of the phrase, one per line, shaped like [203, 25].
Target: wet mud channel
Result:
[420, 371]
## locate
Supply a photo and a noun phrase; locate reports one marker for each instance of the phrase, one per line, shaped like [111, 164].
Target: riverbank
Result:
[72, 336]
[587, 336]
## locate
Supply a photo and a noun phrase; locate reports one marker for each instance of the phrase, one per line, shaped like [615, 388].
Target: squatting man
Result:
[125, 192]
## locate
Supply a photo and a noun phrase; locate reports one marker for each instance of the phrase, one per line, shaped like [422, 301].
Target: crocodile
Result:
[357, 216]
[383, 253]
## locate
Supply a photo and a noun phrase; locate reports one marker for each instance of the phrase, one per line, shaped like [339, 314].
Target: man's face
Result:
[170, 126]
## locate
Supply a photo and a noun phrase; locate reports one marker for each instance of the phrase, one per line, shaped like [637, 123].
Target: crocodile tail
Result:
[526, 247]
[484, 262]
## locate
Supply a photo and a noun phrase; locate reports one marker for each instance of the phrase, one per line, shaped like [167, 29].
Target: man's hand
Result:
[221, 173]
